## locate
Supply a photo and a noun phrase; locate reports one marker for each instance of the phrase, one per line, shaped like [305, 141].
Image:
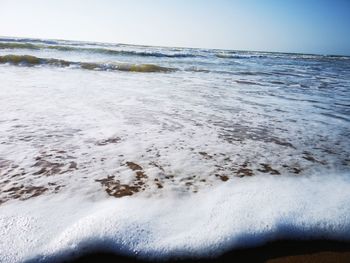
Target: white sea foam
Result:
[242, 212]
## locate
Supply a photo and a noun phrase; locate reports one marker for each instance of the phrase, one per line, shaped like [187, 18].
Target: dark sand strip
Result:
[317, 251]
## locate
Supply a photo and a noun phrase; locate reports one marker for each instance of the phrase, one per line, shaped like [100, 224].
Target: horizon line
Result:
[165, 46]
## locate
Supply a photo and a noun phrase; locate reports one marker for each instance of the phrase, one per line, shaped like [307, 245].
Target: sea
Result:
[168, 152]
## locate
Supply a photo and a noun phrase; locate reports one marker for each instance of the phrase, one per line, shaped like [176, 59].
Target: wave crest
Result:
[27, 60]
[30, 46]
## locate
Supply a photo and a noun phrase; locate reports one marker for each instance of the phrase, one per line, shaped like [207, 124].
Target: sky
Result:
[303, 26]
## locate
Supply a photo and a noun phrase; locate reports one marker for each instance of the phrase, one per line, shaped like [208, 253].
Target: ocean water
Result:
[162, 152]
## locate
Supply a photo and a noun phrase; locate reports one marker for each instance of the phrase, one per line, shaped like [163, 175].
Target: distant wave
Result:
[26, 40]
[14, 45]
[225, 55]
[29, 61]
[238, 56]
[254, 55]
[31, 46]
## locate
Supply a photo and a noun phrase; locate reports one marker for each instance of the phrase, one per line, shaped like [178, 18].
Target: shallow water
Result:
[245, 144]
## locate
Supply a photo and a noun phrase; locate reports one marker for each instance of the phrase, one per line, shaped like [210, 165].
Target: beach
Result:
[158, 153]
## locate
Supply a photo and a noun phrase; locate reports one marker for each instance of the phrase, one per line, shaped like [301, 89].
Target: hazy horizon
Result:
[164, 46]
[313, 27]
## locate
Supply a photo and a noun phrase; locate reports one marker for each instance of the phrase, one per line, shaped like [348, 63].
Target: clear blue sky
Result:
[310, 26]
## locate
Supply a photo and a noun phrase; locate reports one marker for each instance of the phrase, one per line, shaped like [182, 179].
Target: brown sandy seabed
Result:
[49, 163]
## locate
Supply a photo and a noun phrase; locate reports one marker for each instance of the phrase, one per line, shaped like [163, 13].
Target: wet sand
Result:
[320, 251]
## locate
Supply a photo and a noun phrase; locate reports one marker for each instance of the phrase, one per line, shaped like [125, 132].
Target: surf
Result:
[30, 61]
[31, 46]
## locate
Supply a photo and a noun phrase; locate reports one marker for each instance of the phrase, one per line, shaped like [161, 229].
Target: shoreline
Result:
[282, 251]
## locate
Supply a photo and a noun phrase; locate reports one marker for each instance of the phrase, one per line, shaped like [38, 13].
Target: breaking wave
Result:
[269, 55]
[14, 45]
[27, 60]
